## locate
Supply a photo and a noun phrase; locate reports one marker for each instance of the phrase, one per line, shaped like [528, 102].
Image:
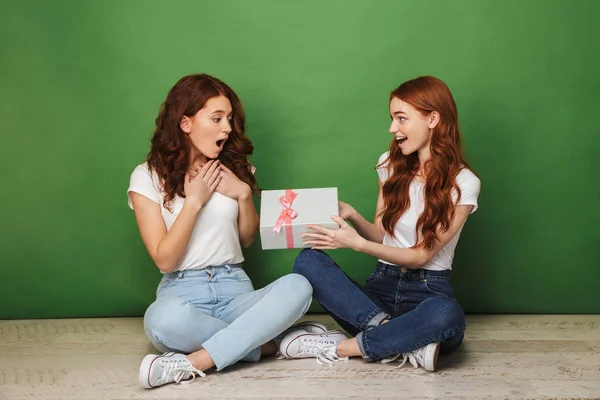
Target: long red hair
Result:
[170, 151]
[426, 94]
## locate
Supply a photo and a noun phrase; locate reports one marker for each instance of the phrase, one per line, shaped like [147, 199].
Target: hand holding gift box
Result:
[286, 214]
[345, 237]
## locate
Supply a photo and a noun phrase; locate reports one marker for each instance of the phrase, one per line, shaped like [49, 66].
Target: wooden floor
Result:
[503, 357]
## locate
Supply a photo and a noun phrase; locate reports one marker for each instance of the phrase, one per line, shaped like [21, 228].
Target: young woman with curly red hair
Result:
[192, 200]
[406, 310]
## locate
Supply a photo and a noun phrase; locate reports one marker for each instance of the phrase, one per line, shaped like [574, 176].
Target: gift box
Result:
[284, 215]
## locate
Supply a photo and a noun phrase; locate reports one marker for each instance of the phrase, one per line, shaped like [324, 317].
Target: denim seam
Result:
[448, 334]
[399, 295]
[376, 320]
[437, 278]
[375, 275]
[162, 286]
[363, 346]
[367, 322]
[437, 293]
[233, 309]
[229, 311]
[214, 354]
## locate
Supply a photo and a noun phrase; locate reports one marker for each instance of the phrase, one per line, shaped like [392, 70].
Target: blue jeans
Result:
[218, 310]
[419, 304]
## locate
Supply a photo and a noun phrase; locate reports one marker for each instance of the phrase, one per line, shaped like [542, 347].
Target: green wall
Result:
[81, 83]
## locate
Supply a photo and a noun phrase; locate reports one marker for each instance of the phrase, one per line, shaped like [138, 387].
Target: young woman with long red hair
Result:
[406, 311]
[192, 200]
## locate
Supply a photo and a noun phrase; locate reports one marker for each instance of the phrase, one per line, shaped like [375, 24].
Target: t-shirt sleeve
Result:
[469, 185]
[142, 182]
[382, 167]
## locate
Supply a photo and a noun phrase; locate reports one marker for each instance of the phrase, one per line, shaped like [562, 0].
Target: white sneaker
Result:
[322, 346]
[157, 370]
[425, 357]
[307, 326]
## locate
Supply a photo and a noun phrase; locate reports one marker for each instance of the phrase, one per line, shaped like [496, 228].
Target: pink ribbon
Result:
[286, 217]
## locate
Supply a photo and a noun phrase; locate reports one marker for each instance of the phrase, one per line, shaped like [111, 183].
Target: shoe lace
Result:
[310, 347]
[414, 357]
[179, 372]
[307, 348]
[324, 350]
[328, 356]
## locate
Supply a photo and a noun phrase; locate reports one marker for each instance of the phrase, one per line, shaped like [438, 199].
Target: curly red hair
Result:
[169, 155]
[426, 94]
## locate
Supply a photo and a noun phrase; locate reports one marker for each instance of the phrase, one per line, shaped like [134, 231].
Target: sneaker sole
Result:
[144, 376]
[303, 333]
[434, 357]
[317, 325]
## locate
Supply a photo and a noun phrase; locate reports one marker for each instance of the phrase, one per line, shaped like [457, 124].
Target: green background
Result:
[81, 84]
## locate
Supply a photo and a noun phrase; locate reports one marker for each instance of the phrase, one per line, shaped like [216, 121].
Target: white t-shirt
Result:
[405, 229]
[215, 239]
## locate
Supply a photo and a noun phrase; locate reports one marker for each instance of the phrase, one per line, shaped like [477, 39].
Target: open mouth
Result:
[221, 143]
[400, 139]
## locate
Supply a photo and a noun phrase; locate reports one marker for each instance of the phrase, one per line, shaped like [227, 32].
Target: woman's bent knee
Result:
[165, 314]
[309, 261]
[297, 285]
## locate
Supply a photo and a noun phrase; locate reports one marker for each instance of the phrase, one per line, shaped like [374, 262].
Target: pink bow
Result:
[286, 217]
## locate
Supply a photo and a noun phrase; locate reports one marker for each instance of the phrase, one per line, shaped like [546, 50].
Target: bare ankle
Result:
[269, 348]
[201, 360]
[348, 348]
